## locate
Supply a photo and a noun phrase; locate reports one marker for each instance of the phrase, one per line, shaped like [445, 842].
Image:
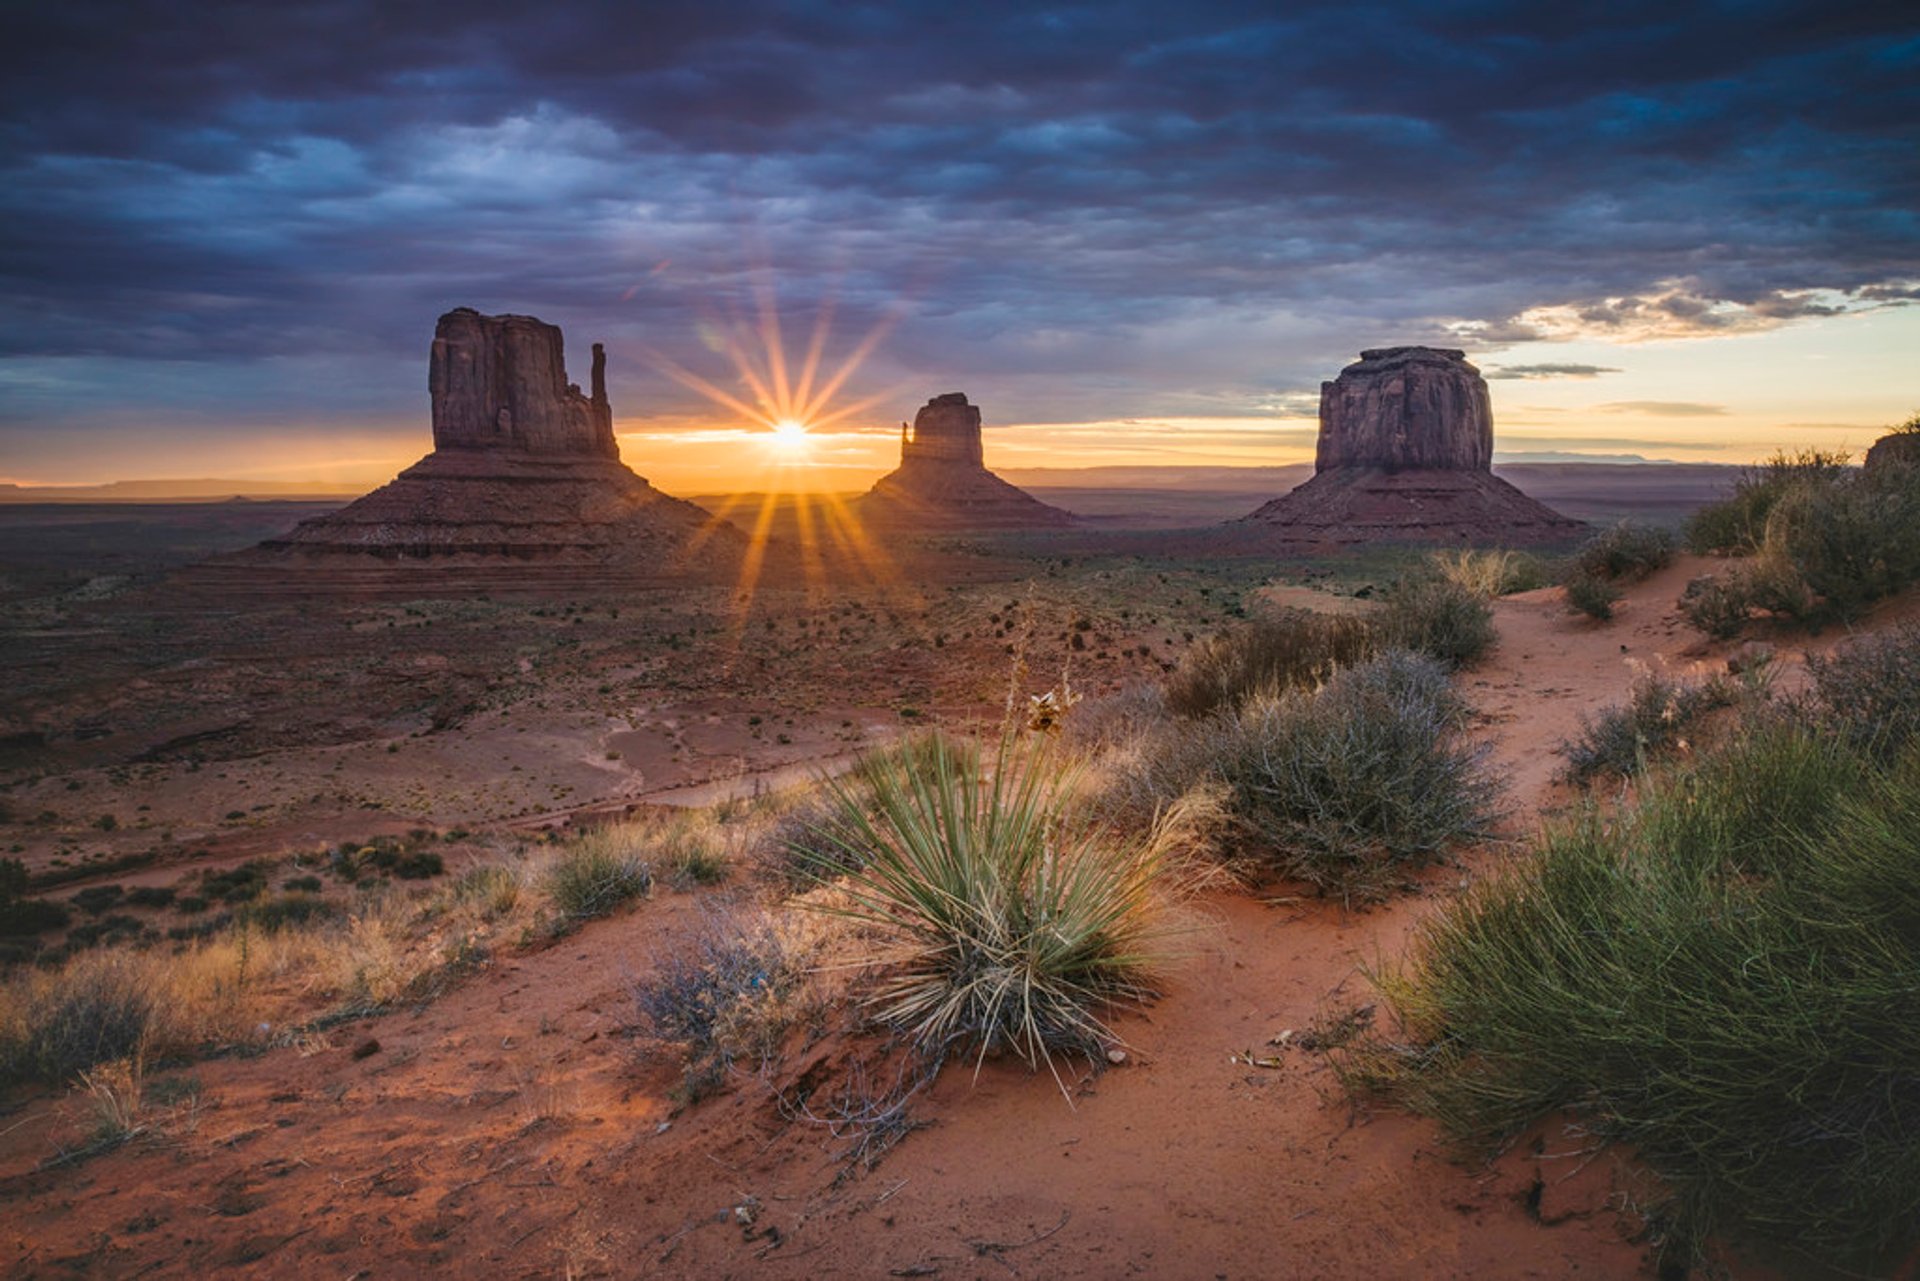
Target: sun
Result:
[791, 438]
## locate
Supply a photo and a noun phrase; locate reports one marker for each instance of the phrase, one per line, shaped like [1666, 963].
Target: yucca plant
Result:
[1012, 919]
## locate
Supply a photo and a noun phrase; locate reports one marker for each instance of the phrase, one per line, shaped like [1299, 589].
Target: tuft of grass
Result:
[1659, 717]
[1010, 920]
[1346, 787]
[1721, 977]
[599, 872]
[691, 852]
[1291, 649]
[1436, 617]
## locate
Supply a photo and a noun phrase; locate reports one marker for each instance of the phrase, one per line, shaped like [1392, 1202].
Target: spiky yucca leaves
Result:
[1013, 919]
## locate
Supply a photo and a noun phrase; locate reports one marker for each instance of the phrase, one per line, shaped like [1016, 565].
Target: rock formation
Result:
[943, 482]
[1895, 454]
[524, 482]
[1406, 454]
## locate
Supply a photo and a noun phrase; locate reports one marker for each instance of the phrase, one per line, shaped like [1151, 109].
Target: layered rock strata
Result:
[524, 468]
[943, 482]
[1405, 454]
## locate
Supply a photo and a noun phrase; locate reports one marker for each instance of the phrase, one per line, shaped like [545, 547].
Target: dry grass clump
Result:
[725, 994]
[1490, 573]
[1008, 918]
[1720, 977]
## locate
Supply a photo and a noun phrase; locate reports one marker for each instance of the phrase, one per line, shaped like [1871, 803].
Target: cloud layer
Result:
[235, 213]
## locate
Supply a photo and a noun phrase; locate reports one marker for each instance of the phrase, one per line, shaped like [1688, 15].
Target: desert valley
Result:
[1113, 643]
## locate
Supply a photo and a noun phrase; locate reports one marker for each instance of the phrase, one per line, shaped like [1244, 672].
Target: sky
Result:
[1134, 233]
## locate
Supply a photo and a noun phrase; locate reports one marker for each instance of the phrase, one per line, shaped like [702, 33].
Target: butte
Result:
[524, 488]
[943, 483]
[1406, 455]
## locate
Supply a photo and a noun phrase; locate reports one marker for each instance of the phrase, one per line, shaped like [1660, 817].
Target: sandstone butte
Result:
[524, 481]
[1406, 455]
[943, 483]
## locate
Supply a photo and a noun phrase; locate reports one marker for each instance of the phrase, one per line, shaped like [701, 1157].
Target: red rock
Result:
[1406, 455]
[943, 482]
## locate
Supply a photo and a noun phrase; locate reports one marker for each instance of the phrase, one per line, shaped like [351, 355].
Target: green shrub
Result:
[598, 873]
[690, 853]
[1625, 550]
[1292, 649]
[270, 916]
[21, 916]
[1720, 978]
[1869, 690]
[1659, 716]
[96, 899]
[1010, 920]
[240, 884]
[1851, 542]
[1719, 605]
[1346, 787]
[1592, 595]
[1435, 617]
[1738, 524]
[419, 865]
[157, 895]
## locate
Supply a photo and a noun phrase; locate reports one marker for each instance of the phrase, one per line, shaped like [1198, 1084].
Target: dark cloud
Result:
[1550, 371]
[1079, 212]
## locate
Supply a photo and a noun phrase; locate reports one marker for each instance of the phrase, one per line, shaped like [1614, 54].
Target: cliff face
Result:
[1406, 408]
[943, 482]
[1406, 455]
[500, 382]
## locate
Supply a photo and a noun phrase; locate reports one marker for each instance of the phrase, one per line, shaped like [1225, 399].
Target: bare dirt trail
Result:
[506, 1130]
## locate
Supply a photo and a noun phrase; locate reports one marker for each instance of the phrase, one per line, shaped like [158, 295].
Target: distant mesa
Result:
[943, 483]
[524, 468]
[1406, 454]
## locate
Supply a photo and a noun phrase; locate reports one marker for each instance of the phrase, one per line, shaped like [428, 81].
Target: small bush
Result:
[1010, 919]
[598, 873]
[1624, 551]
[21, 917]
[240, 884]
[1347, 787]
[273, 915]
[1293, 649]
[1869, 690]
[303, 884]
[1720, 979]
[1659, 716]
[1593, 596]
[1438, 618]
[419, 865]
[1719, 605]
[723, 994]
[155, 895]
[96, 899]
